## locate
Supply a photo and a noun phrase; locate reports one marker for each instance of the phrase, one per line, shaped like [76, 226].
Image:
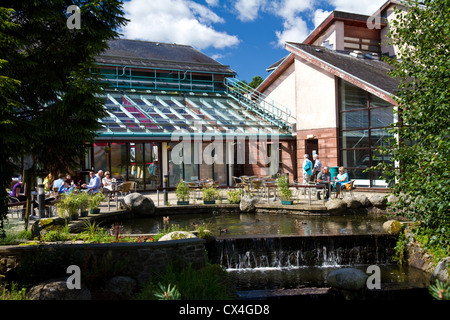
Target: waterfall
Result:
[295, 251]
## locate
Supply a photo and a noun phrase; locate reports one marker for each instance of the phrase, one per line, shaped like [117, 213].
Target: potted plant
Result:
[94, 202]
[283, 190]
[69, 205]
[83, 199]
[182, 192]
[234, 196]
[209, 195]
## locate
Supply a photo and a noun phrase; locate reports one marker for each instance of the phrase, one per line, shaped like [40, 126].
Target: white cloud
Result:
[175, 21]
[367, 7]
[248, 10]
[319, 16]
[212, 3]
[295, 28]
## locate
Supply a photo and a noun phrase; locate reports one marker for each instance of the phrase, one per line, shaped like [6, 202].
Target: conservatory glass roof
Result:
[159, 114]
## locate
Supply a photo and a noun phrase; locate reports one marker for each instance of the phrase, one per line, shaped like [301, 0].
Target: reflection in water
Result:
[235, 225]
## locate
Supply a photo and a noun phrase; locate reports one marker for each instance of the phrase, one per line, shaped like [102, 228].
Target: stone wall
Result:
[136, 260]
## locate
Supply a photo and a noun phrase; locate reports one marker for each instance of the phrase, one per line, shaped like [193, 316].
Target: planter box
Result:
[287, 202]
[84, 213]
[209, 201]
[94, 211]
[182, 203]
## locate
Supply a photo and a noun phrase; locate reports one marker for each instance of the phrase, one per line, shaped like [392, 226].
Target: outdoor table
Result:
[307, 186]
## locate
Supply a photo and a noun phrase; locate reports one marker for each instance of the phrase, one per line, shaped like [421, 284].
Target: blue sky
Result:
[247, 35]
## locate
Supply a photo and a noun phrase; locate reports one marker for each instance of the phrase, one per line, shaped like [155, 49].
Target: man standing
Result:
[317, 165]
[307, 169]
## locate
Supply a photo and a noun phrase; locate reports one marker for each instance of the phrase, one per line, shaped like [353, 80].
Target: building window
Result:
[364, 119]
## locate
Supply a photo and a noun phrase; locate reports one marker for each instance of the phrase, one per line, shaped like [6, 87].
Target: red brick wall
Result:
[327, 150]
[288, 161]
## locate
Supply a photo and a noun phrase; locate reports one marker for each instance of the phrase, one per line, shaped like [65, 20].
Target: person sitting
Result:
[16, 191]
[65, 187]
[58, 182]
[94, 182]
[324, 177]
[341, 179]
[48, 183]
[107, 181]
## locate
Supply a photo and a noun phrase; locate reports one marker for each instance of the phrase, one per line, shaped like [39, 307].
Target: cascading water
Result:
[289, 252]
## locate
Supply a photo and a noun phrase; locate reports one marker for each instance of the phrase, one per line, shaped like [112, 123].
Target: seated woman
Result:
[341, 179]
[107, 181]
[65, 187]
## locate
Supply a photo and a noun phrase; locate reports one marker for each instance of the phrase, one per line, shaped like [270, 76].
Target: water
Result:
[267, 224]
[264, 251]
[392, 276]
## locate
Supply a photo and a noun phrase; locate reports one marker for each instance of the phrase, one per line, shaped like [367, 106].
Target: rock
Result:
[363, 200]
[56, 289]
[139, 204]
[41, 226]
[123, 287]
[347, 279]
[378, 201]
[392, 227]
[352, 203]
[441, 272]
[176, 235]
[248, 203]
[336, 206]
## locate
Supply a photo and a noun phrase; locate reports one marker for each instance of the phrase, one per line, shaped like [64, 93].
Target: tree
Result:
[421, 150]
[50, 102]
[256, 81]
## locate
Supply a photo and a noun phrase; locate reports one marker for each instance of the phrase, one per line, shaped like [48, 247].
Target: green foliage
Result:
[15, 237]
[182, 191]
[69, 205]
[95, 199]
[256, 81]
[283, 188]
[234, 196]
[400, 249]
[47, 90]
[440, 290]
[12, 292]
[421, 178]
[167, 292]
[208, 283]
[210, 193]
[55, 235]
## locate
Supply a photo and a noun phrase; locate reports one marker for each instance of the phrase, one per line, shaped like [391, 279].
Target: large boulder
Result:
[352, 203]
[139, 204]
[392, 227]
[363, 199]
[378, 200]
[336, 206]
[347, 279]
[248, 203]
[41, 226]
[56, 289]
[177, 235]
[442, 271]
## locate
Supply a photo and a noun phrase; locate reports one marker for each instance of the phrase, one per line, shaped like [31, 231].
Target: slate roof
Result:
[159, 55]
[374, 72]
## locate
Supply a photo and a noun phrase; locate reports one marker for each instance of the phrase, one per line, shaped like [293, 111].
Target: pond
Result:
[257, 224]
